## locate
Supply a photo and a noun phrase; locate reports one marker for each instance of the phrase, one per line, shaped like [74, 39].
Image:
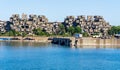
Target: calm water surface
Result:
[40, 56]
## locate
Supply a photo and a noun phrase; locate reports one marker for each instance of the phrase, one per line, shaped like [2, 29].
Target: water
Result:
[41, 56]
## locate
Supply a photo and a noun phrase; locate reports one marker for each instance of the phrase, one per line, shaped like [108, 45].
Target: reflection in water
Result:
[43, 56]
[99, 46]
[39, 44]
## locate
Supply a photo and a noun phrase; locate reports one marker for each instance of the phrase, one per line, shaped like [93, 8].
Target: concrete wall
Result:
[82, 42]
[37, 39]
[98, 42]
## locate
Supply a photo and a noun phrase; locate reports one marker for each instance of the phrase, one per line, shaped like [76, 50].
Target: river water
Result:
[41, 56]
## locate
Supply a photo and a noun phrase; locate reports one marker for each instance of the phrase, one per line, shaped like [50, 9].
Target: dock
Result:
[73, 42]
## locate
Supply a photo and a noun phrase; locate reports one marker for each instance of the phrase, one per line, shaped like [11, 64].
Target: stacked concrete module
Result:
[69, 20]
[3, 26]
[27, 24]
[91, 25]
[50, 28]
[56, 28]
[103, 26]
[15, 20]
[47, 27]
[24, 17]
[42, 19]
[81, 23]
[89, 18]
[80, 20]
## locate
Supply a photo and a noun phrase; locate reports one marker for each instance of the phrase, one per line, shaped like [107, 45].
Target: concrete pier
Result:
[85, 42]
[62, 41]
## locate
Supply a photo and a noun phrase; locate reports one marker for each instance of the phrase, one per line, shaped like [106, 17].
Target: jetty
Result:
[65, 41]
[73, 42]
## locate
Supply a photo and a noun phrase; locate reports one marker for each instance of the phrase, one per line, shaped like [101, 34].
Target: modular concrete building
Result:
[91, 24]
[2, 26]
[27, 23]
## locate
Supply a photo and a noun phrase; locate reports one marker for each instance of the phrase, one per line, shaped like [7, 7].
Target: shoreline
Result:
[82, 42]
[35, 39]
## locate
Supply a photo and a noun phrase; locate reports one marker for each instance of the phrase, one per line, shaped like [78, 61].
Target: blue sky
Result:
[57, 10]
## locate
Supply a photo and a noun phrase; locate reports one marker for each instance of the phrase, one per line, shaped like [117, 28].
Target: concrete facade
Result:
[91, 24]
[27, 23]
[2, 26]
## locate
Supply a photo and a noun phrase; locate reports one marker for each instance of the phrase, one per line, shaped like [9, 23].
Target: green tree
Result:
[71, 30]
[85, 34]
[24, 34]
[37, 31]
[78, 30]
[14, 33]
[62, 29]
[66, 35]
[114, 30]
[11, 33]
[40, 32]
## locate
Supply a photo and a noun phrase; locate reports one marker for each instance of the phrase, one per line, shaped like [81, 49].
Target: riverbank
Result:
[85, 42]
[33, 39]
